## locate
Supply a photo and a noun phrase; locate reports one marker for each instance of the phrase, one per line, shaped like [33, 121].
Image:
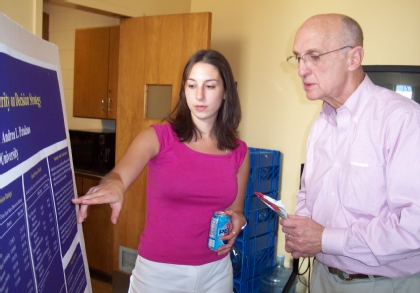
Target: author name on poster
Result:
[15, 134]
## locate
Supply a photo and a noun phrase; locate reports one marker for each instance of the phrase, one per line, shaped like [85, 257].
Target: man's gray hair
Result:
[353, 34]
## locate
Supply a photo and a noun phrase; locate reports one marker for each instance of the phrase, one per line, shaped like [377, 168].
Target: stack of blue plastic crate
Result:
[257, 242]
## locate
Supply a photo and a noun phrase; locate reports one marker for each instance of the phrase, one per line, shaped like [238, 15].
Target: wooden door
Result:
[153, 50]
[91, 72]
[114, 45]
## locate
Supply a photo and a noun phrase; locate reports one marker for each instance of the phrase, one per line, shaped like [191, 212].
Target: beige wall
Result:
[134, 8]
[257, 36]
[28, 13]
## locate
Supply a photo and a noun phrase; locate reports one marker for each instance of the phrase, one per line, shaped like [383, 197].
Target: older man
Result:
[358, 209]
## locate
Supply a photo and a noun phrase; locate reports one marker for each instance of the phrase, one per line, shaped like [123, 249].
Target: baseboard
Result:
[100, 275]
[120, 282]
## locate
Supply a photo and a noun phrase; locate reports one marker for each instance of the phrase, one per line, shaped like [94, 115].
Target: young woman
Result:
[196, 166]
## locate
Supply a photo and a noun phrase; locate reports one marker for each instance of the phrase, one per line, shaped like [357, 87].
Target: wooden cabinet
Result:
[96, 72]
[97, 231]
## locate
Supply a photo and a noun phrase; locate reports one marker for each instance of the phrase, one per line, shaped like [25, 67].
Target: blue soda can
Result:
[220, 224]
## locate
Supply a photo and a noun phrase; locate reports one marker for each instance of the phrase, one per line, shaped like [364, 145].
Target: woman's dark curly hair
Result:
[229, 114]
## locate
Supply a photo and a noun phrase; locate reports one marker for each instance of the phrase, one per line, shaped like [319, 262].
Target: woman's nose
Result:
[199, 93]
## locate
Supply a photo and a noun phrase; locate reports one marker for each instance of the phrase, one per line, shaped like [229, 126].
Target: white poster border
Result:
[21, 44]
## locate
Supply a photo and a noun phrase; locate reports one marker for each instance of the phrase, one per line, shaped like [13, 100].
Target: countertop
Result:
[89, 174]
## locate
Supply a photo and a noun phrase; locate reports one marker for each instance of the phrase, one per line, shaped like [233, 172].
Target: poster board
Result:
[41, 244]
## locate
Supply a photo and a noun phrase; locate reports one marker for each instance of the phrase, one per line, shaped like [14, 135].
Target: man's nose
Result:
[303, 68]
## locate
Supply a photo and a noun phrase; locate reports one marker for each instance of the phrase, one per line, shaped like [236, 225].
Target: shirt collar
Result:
[355, 104]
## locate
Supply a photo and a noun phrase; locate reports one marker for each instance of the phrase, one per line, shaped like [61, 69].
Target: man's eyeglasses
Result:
[310, 59]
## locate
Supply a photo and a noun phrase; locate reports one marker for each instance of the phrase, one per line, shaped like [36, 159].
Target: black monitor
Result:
[403, 79]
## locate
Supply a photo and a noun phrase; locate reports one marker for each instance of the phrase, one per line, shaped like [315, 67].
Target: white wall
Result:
[63, 24]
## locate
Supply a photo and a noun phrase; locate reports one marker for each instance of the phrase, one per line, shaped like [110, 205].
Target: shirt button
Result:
[332, 193]
[336, 164]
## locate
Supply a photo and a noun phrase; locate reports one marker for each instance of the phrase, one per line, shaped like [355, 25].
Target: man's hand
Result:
[303, 236]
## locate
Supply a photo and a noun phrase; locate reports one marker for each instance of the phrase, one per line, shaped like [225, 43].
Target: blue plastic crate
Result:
[260, 218]
[257, 243]
[257, 254]
[250, 286]
[264, 173]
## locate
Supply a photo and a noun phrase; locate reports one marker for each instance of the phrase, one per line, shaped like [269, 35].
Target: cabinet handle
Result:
[109, 105]
[103, 103]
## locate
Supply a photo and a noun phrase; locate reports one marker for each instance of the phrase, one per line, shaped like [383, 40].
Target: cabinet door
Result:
[79, 184]
[97, 232]
[91, 73]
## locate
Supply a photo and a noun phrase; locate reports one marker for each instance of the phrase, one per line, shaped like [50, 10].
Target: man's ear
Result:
[356, 57]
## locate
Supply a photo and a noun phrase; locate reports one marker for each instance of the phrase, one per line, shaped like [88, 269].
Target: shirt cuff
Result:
[333, 241]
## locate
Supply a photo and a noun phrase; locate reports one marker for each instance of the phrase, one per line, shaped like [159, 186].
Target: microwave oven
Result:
[93, 150]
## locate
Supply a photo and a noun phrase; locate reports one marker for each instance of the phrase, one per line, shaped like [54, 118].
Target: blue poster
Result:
[40, 247]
